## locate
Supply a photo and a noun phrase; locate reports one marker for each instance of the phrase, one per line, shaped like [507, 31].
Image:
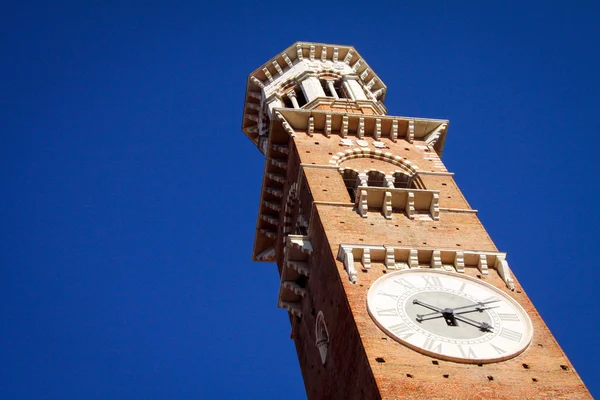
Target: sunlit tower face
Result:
[391, 283]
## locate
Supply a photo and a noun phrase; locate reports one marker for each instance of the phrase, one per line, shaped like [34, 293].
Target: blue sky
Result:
[129, 194]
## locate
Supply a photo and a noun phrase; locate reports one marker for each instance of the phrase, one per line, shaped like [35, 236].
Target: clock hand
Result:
[451, 317]
[484, 326]
[447, 313]
[419, 302]
[439, 310]
[478, 305]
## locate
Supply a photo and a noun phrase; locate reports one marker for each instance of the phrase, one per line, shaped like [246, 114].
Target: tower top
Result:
[310, 76]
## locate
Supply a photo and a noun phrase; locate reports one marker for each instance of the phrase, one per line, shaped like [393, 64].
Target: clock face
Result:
[449, 316]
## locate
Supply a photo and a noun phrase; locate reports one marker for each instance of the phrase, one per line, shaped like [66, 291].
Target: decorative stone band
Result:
[398, 258]
[295, 264]
[404, 164]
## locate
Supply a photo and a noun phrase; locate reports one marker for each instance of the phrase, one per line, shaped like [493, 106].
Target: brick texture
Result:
[352, 369]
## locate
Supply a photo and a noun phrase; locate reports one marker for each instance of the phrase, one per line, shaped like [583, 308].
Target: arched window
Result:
[339, 88]
[333, 88]
[322, 336]
[351, 182]
[376, 179]
[403, 181]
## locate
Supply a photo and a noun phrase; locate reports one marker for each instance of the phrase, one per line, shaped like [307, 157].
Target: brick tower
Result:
[392, 285]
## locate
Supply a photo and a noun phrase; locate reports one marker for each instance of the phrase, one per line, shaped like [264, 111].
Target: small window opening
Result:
[322, 336]
[339, 89]
[402, 181]
[323, 83]
[301, 98]
[350, 178]
[287, 102]
[375, 179]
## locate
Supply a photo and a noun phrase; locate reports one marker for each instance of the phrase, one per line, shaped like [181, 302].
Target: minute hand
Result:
[453, 309]
[475, 305]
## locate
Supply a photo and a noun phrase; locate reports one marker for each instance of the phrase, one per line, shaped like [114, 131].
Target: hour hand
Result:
[421, 316]
[483, 326]
[436, 309]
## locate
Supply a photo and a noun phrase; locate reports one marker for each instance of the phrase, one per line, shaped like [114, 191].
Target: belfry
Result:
[392, 285]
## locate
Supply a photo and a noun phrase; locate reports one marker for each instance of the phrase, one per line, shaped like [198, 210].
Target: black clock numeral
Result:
[387, 312]
[511, 335]
[433, 345]
[469, 353]
[432, 280]
[403, 331]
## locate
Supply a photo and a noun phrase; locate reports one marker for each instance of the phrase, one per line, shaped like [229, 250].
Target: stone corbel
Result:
[292, 308]
[346, 256]
[434, 209]
[394, 131]
[266, 254]
[459, 261]
[387, 205]
[363, 206]
[294, 287]
[410, 134]
[361, 128]
[434, 136]
[344, 130]
[301, 243]
[299, 266]
[436, 260]
[482, 264]
[504, 272]
[413, 258]
[410, 205]
[366, 258]
[390, 258]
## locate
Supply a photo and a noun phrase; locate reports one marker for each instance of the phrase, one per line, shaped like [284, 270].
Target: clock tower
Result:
[392, 286]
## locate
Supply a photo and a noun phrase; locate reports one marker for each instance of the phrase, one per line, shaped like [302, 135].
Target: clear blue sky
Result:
[129, 194]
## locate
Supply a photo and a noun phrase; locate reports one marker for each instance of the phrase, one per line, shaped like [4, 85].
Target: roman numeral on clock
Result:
[387, 312]
[511, 335]
[432, 280]
[508, 317]
[469, 353]
[433, 345]
[403, 331]
[392, 296]
[498, 349]
[405, 284]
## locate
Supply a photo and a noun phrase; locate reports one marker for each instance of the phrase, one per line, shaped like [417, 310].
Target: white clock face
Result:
[449, 316]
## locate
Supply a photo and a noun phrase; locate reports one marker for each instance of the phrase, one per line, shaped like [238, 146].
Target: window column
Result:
[311, 86]
[354, 88]
[292, 96]
[332, 89]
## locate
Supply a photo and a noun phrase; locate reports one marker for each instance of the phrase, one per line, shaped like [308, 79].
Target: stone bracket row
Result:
[399, 258]
[295, 269]
[411, 201]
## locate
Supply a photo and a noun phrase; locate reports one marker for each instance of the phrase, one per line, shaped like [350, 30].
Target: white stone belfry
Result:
[306, 75]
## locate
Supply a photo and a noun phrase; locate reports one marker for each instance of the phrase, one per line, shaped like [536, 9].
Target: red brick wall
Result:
[351, 371]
